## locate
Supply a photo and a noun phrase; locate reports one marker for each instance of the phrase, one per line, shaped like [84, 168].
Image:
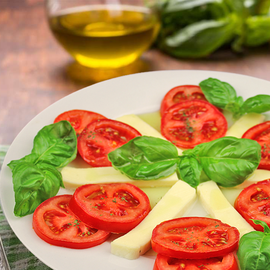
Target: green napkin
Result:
[19, 257]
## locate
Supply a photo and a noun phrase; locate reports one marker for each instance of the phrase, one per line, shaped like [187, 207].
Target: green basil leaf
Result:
[198, 39]
[31, 158]
[145, 158]
[256, 104]
[33, 184]
[253, 252]
[218, 93]
[56, 144]
[229, 161]
[189, 170]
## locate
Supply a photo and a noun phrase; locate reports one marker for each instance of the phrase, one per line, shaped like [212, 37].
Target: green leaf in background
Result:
[189, 170]
[257, 30]
[199, 39]
[253, 252]
[145, 158]
[229, 161]
[56, 144]
[34, 184]
[197, 28]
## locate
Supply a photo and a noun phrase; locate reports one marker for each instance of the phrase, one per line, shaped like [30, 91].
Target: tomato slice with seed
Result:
[228, 262]
[79, 119]
[254, 203]
[181, 93]
[261, 134]
[101, 137]
[194, 238]
[56, 224]
[111, 207]
[190, 123]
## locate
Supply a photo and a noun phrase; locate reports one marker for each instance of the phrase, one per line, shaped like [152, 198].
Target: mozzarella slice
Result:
[75, 177]
[244, 123]
[215, 203]
[174, 204]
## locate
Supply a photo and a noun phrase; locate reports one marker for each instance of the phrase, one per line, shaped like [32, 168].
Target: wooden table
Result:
[33, 67]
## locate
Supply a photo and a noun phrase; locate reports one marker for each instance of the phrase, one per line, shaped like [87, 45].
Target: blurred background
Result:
[35, 71]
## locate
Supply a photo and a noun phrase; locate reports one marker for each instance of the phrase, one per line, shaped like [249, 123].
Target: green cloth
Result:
[19, 257]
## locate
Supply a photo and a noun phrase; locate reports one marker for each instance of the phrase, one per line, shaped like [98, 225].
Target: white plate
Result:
[139, 93]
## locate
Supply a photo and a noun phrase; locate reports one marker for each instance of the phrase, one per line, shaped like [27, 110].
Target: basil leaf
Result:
[34, 184]
[220, 94]
[200, 38]
[189, 170]
[257, 30]
[256, 104]
[35, 176]
[31, 158]
[145, 158]
[253, 252]
[56, 144]
[229, 161]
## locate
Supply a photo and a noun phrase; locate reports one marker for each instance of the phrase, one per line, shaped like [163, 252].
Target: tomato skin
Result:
[254, 203]
[79, 119]
[181, 93]
[228, 262]
[194, 238]
[56, 224]
[116, 208]
[101, 137]
[190, 123]
[261, 134]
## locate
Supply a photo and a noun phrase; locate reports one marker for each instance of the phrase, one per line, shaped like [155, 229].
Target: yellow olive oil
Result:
[105, 36]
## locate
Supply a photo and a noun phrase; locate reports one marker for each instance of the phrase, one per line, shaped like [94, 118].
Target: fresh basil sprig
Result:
[228, 161]
[253, 252]
[223, 95]
[36, 176]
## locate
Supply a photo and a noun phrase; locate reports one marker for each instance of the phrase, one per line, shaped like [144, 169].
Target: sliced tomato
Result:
[111, 207]
[254, 203]
[101, 137]
[79, 119]
[190, 123]
[194, 238]
[228, 262]
[181, 93]
[261, 134]
[55, 223]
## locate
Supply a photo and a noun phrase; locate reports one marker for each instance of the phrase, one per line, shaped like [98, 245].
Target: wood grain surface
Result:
[35, 71]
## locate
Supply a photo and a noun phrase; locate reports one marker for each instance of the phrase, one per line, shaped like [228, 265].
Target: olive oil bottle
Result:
[99, 36]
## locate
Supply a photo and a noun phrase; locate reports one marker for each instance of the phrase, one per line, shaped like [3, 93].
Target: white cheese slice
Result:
[215, 203]
[244, 123]
[75, 177]
[144, 128]
[174, 204]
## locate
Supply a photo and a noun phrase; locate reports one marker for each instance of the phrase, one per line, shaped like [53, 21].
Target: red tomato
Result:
[79, 119]
[101, 137]
[116, 208]
[189, 123]
[228, 262]
[261, 134]
[179, 94]
[194, 238]
[56, 224]
[254, 203]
